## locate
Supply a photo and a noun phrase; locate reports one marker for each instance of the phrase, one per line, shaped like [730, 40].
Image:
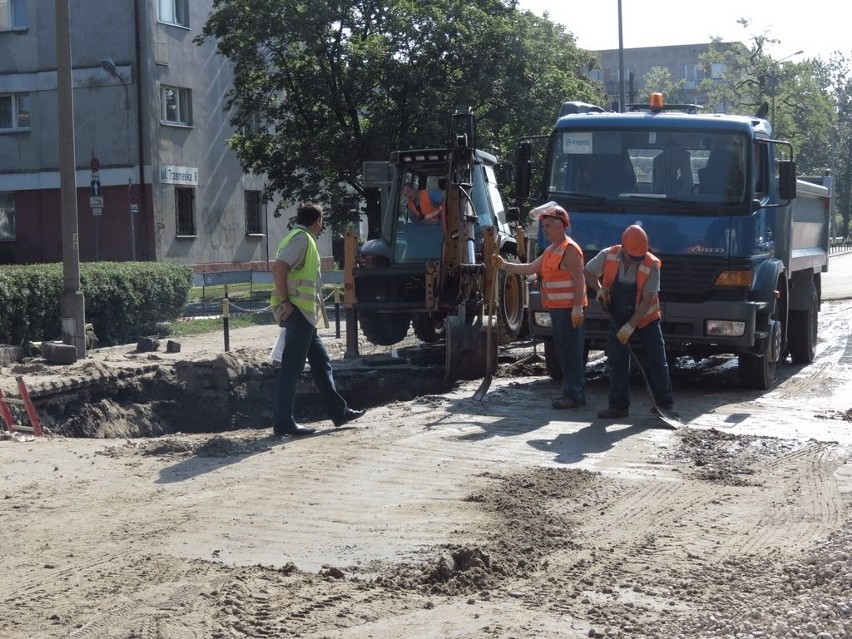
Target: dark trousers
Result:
[618, 363]
[569, 342]
[302, 343]
[622, 306]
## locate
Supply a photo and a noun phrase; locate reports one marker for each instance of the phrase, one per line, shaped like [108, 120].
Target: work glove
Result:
[624, 333]
[603, 297]
[577, 317]
[280, 313]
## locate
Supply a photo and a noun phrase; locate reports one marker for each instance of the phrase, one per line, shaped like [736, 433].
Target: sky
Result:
[814, 26]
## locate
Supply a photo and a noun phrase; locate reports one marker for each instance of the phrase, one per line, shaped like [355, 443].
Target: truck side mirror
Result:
[787, 179]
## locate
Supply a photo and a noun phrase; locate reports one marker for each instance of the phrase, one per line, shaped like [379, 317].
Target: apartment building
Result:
[682, 61]
[155, 179]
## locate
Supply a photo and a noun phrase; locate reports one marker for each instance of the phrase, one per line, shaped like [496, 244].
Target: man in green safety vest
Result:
[295, 305]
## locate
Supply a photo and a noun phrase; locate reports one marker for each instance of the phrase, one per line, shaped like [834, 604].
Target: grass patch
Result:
[186, 328]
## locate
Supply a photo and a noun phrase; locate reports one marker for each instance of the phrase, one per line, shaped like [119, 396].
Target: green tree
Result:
[659, 80]
[322, 86]
[795, 96]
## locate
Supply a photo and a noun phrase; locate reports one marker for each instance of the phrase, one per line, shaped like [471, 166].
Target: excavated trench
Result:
[222, 393]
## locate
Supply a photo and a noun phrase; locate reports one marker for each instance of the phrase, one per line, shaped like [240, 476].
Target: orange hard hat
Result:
[634, 241]
[551, 209]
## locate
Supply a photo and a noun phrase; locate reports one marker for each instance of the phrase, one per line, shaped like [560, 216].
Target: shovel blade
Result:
[670, 416]
[466, 356]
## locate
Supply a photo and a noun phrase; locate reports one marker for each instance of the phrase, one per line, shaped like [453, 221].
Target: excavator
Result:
[432, 273]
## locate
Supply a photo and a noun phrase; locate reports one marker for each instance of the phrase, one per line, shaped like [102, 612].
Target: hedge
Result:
[123, 300]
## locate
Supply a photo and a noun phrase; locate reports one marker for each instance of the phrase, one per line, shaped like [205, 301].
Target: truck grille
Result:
[690, 279]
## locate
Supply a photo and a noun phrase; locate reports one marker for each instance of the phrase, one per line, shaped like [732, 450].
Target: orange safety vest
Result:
[558, 288]
[428, 211]
[610, 272]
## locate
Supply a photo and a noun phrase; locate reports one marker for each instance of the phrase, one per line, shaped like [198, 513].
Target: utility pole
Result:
[72, 305]
[621, 96]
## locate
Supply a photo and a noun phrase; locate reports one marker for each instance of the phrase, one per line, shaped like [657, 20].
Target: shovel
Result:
[489, 341]
[670, 417]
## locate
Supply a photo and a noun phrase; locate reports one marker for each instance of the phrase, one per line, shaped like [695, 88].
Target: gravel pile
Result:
[809, 600]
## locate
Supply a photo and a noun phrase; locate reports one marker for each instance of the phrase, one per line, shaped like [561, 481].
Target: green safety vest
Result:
[302, 282]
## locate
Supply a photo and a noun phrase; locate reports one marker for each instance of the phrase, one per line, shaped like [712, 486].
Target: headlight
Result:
[543, 320]
[724, 328]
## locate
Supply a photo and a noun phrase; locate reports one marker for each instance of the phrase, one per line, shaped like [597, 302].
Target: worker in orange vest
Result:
[626, 277]
[563, 294]
[426, 205]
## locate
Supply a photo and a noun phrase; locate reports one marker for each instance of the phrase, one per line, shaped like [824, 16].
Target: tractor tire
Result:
[511, 313]
[384, 329]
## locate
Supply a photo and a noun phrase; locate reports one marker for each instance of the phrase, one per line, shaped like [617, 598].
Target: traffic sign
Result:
[95, 186]
[97, 211]
[134, 208]
[131, 193]
[96, 201]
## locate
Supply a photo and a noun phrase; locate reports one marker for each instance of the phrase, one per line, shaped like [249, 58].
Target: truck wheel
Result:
[510, 319]
[384, 329]
[802, 331]
[427, 328]
[757, 370]
[551, 360]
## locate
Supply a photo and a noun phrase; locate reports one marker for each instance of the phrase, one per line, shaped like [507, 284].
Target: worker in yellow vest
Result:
[295, 304]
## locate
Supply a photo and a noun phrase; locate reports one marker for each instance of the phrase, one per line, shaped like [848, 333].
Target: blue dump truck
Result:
[743, 242]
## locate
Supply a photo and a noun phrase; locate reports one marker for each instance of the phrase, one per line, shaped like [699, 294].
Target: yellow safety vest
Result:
[302, 282]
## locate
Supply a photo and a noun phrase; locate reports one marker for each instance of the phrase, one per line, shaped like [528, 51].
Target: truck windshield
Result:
[655, 164]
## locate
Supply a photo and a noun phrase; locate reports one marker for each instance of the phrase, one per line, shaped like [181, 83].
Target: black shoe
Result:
[294, 430]
[566, 401]
[613, 413]
[348, 415]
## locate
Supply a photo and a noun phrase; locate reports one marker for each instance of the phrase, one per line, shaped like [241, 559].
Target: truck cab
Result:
[742, 242]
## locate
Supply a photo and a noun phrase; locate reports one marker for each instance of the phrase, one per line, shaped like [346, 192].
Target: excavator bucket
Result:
[467, 349]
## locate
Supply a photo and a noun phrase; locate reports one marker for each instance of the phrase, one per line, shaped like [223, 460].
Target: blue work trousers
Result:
[618, 363]
[569, 342]
[302, 343]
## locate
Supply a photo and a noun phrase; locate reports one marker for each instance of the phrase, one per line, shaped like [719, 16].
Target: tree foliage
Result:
[809, 103]
[321, 86]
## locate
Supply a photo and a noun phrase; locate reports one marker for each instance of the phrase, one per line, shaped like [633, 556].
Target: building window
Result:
[614, 75]
[596, 75]
[253, 126]
[253, 210]
[14, 111]
[175, 106]
[693, 72]
[174, 12]
[185, 211]
[7, 217]
[13, 15]
[717, 70]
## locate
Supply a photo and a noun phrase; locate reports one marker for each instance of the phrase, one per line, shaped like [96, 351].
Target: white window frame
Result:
[174, 12]
[13, 15]
[717, 70]
[7, 216]
[19, 112]
[182, 106]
